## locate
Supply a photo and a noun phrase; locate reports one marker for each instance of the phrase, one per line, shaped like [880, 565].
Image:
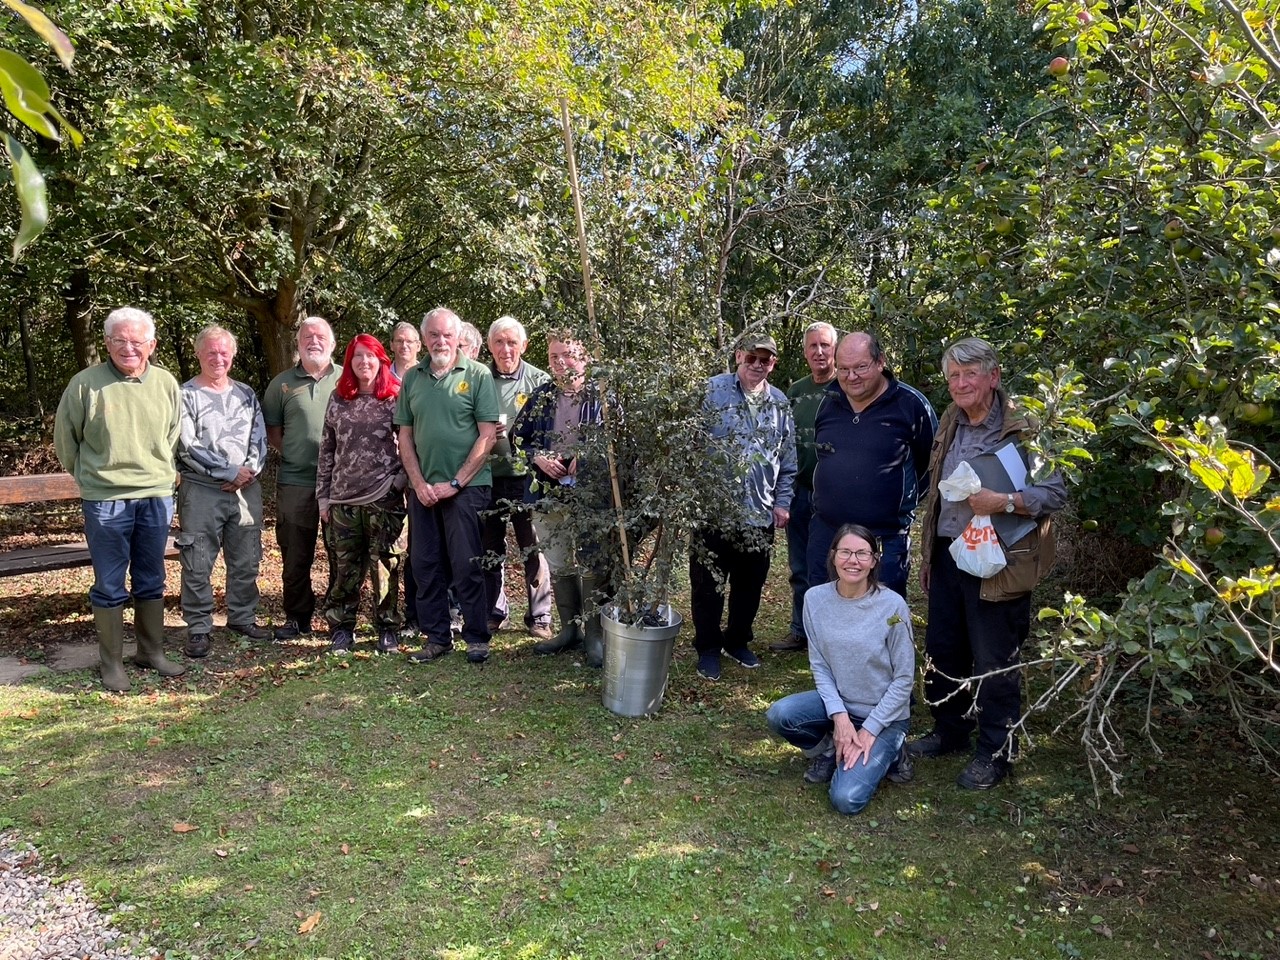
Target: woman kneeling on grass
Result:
[853, 727]
[360, 491]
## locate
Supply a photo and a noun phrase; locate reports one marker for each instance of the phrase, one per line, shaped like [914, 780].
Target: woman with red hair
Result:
[360, 489]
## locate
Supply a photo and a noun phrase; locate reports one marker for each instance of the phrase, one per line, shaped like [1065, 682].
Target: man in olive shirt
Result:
[293, 408]
[515, 380]
[115, 432]
[448, 416]
[805, 395]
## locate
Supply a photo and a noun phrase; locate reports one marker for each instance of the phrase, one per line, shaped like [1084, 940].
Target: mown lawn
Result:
[456, 811]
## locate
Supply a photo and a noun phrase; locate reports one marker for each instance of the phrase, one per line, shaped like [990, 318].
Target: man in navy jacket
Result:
[873, 435]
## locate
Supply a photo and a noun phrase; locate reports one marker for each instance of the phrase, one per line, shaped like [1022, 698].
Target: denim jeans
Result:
[798, 554]
[127, 536]
[895, 557]
[801, 719]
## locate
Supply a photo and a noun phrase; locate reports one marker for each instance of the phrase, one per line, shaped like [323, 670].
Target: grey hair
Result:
[317, 322]
[402, 325]
[508, 323]
[129, 315]
[469, 335]
[215, 332]
[441, 312]
[824, 327]
[969, 351]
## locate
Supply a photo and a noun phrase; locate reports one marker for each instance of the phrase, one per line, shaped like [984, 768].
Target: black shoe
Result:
[903, 769]
[477, 652]
[388, 642]
[709, 666]
[983, 773]
[341, 641]
[497, 626]
[791, 643]
[250, 630]
[292, 630]
[432, 651]
[821, 768]
[197, 645]
[936, 745]
[743, 656]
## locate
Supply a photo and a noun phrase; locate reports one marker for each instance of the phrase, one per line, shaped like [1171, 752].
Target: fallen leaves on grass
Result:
[181, 827]
[310, 923]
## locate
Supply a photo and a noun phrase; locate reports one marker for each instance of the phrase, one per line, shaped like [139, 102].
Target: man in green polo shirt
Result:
[448, 416]
[516, 380]
[293, 408]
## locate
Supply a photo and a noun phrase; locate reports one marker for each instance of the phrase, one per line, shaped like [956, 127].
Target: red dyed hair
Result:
[384, 384]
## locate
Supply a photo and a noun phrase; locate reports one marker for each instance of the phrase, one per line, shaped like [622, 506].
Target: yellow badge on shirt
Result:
[521, 400]
[462, 387]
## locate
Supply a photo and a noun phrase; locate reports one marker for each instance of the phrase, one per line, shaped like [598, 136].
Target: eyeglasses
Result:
[752, 361]
[861, 370]
[120, 343]
[862, 556]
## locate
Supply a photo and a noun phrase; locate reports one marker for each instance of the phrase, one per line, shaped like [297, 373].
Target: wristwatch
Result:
[1008, 505]
[457, 486]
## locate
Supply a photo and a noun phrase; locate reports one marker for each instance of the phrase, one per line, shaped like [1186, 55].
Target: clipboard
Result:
[1004, 470]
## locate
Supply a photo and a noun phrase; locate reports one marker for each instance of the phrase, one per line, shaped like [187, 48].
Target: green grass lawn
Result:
[456, 811]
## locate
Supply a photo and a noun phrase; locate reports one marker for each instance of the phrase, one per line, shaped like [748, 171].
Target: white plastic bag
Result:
[961, 485]
[977, 550]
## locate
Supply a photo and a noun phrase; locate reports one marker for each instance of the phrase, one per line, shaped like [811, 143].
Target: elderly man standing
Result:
[115, 432]
[516, 380]
[753, 428]
[293, 408]
[448, 415]
[872, 437]
[977, 626]
[805, 396]
[221, 451]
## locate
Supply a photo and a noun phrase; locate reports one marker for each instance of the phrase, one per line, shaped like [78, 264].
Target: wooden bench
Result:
[46, 488]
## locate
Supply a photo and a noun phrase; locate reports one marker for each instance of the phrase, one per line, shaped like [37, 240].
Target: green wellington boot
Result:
[148, 625]
[109, 622]
[568, 594]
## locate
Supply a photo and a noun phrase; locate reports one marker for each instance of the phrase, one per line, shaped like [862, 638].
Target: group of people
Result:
[388, 457]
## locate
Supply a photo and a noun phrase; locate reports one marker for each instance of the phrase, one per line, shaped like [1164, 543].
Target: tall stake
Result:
[595, 333]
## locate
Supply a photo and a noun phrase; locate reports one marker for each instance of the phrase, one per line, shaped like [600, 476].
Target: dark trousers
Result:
[968, 636]
[447, 551]
[798, 554]
[297, 522]
[508, 505]
[895, 557]
[739, 561]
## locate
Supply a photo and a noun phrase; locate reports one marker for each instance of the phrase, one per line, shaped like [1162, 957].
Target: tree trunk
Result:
[276, 320]
[34, 406]
[78, 305]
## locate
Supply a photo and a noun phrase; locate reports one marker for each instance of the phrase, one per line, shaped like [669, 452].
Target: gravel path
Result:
[58, 921]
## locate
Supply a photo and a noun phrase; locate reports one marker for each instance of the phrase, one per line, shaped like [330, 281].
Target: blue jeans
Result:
[127, 536]
[895, 557]
[801, 719]
[798, 554]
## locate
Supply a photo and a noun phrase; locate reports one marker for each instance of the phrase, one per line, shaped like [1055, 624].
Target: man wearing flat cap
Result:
[753, 435]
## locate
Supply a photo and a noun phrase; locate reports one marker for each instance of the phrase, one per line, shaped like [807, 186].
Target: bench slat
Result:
[38, 487]
[58, 556]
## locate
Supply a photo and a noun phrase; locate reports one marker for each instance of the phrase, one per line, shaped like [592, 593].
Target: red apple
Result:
[1059, 66]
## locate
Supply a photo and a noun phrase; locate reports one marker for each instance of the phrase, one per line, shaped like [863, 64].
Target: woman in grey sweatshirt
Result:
[853, 726]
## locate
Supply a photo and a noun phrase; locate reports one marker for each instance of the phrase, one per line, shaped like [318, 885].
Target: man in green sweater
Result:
[115, 433]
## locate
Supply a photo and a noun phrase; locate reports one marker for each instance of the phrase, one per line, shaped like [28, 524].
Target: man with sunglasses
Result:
[873, 435]
[753, 434]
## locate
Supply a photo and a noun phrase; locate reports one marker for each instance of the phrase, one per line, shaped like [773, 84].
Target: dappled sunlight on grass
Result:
[419, 813]
[195, 888]
[677, 850]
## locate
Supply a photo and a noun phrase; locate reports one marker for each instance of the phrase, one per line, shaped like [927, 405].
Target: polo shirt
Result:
[296, 401]
[445, 414]
[513, 393]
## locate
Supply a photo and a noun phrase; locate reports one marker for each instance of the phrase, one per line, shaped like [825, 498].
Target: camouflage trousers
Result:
[370, 538]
